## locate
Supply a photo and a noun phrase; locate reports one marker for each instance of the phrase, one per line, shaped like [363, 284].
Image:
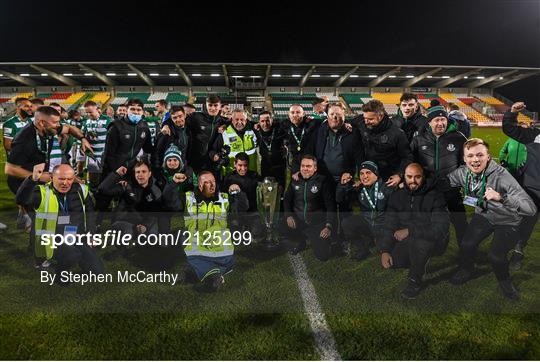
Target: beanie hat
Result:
[434, 102]
[172, 152]
[370, 165]
[436, 111]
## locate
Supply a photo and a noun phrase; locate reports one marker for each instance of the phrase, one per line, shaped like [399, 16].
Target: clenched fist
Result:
[38, 171]
[517, 107]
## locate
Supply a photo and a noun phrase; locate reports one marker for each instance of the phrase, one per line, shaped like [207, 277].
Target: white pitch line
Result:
[324, 340]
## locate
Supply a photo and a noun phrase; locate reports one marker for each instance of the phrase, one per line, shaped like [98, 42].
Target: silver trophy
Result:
[268, 198]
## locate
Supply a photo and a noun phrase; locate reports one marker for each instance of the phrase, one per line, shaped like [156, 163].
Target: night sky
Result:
[489, 33]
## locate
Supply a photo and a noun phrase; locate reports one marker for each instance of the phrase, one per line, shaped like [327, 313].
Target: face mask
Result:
[134, 118]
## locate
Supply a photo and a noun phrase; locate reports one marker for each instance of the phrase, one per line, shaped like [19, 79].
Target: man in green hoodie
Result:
[513, 154]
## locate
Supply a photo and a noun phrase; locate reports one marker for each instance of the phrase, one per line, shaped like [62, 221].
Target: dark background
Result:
[485, 33]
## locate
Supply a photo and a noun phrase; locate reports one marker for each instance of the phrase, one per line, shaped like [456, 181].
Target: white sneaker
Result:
[3, 227]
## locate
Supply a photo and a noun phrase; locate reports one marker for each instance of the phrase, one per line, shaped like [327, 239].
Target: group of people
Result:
[373, 184]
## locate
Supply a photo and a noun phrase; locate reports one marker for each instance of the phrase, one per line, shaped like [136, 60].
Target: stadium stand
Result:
[21, 95]
[356, 100]
[390, 101]
[496, 108]
[330, 96]
[101, 97]
[479, 107]
[177, 98]
[281, 102]
[472, 114]
[425, 99]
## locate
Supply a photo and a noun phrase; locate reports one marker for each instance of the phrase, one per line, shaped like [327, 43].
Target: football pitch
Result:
[272, 307]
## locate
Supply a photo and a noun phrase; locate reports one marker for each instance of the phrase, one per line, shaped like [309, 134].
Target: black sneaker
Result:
[412, 290]
[508, 289]
[461, 277]
[516, 259]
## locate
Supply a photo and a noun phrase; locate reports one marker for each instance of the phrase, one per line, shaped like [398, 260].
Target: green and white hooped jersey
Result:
[13, 125]
[154, 126]
[55, 157]
[79, 125]
[95, 131]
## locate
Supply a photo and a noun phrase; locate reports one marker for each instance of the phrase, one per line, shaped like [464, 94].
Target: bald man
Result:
[416, 228]
[300, 136]
[61, 207]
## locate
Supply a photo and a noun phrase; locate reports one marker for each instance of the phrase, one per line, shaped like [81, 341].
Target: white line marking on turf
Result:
[326, 345]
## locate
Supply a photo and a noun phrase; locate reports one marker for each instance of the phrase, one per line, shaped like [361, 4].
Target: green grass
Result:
[259, 313]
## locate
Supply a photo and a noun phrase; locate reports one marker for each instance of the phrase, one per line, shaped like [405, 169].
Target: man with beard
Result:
[13, 125]
[238, 137]
[206, 211]
[204, 128]
[226, 111]
[300, 133]
[416, 228]
[384, 143]
[32, 146]
[499, 206]
[409, 117]
[36, 103]
[438, 147]
[271, 136]
[121, 111]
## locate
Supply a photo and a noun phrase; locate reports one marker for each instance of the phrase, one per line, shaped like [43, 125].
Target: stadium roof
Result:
[257, 75]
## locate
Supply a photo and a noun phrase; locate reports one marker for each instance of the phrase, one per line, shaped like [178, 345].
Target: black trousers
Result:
[415, 254]
[526, 228]
[458, 216]
[358, 231]
[250, 221]
[322, 248]
[68, 256]
[504, 239]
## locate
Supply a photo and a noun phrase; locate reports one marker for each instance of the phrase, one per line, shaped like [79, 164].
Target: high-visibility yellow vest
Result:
[209, 234]
[247, 144]
[47, 217]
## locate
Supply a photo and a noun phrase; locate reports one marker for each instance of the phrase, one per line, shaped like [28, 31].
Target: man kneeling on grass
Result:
[499, 206]
[416, 228]
[208, 244]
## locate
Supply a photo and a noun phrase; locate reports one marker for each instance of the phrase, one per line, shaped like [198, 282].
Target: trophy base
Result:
[270, 242]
